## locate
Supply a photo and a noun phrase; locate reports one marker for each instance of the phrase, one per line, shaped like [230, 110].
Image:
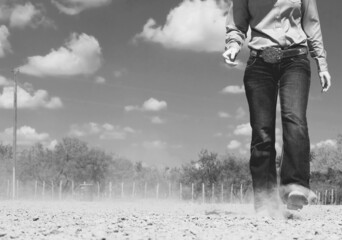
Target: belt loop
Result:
[253, 53]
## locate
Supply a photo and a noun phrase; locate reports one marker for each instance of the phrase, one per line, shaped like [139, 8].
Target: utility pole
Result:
[15, 120]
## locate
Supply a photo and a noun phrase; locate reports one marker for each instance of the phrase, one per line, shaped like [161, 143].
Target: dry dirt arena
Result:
[142, 219]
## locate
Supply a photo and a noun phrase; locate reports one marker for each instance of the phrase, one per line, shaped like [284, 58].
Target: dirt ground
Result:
[142, 219]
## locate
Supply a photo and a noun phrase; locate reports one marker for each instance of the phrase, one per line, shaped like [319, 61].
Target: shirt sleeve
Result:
[312, 28]
[237, 23]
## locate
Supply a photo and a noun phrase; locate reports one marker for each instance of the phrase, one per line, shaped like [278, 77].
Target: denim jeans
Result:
[263, 81]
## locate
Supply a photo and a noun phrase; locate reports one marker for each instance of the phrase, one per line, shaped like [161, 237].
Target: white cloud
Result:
[114, 135]
[240, 113]
[23, 15]
[194, 24]
[73, 7]
[157, 120]
[104, 132]
[115, 132]
[80, 55]
[129, 130]
[131, 108]
[152, 105]
[25, 136]
[325, 143]
[222, 114]
[119, 73]
[234, 144]
[243, 129]
[4, 81]
[27, 15]
[234, 89]
[86, 129]
[100, 80]
[5, 11]
[218, 135]
[52, 144]
[154, 144]
[5, 46]
[242, 151]
[28, 98]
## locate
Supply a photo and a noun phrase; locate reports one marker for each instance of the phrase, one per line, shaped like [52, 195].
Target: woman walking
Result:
[283, 32]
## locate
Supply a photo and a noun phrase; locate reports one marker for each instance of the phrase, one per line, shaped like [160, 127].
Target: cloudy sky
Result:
[140, 78]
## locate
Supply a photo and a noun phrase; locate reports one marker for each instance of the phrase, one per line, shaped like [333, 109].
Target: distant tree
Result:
[5, 160]
[205, 170]
[35, 163]
[235, 170]
[144, 174]
[327, 156]
[173, 175]
[69, 157]
[120, 169]
[138, 167]
[236, 173]
[95, 166]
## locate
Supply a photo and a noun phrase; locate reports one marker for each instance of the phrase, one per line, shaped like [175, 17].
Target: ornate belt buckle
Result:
[272, 55]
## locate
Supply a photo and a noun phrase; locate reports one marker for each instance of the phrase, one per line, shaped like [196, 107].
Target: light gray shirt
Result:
[278, 23]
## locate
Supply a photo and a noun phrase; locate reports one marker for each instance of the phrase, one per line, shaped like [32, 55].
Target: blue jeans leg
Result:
[263, 81]
[294, 89]
[261, 92]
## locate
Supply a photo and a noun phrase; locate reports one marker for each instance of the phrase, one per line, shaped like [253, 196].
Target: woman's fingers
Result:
[325, 80]
[229, 56]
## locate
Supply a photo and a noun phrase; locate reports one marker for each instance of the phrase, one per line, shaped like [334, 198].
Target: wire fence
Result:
[42, 190]
[201, 193]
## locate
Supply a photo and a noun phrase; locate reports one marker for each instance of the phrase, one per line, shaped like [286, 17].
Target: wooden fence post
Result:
[192, 192]
[222, 193]
[122, 189]
[72, 189]
[212, 192]
[231, 193]
[60, 189]
[157, 191]
[203, 193]
[52, 190]
[170, 194]
[322, 198]
[43, 191]
[326, 197]
[133, 190]
[17, 189]
[145, 190]
[241, 193]
[110, 190]
[35, 189]
[98, 190]
[180, 191]
[8, 188]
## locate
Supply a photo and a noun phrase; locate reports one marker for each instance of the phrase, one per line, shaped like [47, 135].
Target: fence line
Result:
[192, 192]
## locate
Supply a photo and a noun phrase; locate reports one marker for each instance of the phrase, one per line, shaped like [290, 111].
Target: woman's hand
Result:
[325, 80]
[230, 55]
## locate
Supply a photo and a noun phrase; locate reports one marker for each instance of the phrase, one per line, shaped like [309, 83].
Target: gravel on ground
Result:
[163, 219]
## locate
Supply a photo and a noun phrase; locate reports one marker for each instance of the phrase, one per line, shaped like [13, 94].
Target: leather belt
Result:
[275, 55]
